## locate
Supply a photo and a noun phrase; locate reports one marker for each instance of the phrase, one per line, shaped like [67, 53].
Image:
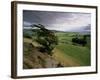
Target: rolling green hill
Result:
[65, 53]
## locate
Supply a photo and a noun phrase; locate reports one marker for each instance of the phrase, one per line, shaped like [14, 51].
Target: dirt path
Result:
[65, 60]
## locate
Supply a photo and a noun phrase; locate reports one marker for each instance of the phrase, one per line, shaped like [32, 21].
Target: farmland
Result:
[66, 53]
[80, 53]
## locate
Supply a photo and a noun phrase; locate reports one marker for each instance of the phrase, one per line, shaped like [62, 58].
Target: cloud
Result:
[25, 23]
[63, 21]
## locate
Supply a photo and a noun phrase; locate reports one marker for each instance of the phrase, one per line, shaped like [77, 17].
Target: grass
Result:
[81, 54]
[71, 54]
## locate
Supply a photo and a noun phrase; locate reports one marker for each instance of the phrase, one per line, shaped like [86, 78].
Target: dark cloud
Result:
[57, 20]
[43, 17]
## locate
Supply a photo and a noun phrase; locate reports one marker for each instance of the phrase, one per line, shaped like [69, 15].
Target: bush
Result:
[81, 41]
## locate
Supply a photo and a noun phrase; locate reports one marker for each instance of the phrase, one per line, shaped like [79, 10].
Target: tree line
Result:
[82, 41]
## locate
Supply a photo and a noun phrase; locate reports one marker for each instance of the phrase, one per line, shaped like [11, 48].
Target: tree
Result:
[81, 41]
[46, 38]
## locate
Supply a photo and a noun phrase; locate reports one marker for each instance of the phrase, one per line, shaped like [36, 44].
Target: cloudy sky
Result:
[62, 21]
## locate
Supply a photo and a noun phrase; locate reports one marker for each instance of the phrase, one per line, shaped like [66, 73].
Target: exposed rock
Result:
[33, 58]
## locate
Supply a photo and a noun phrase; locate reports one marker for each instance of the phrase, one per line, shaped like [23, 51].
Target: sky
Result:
[61, 21]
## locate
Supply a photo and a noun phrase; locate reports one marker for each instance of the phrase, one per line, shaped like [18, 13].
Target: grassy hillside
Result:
[78, 52]
[65, 53]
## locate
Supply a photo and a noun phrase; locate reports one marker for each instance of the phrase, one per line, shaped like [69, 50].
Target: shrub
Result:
[81, 41]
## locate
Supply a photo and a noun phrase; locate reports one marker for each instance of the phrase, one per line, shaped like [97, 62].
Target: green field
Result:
[78, 52]
[65, 52]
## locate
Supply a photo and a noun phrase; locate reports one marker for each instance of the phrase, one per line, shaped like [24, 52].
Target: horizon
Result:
[60, 21]
[86, 32]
